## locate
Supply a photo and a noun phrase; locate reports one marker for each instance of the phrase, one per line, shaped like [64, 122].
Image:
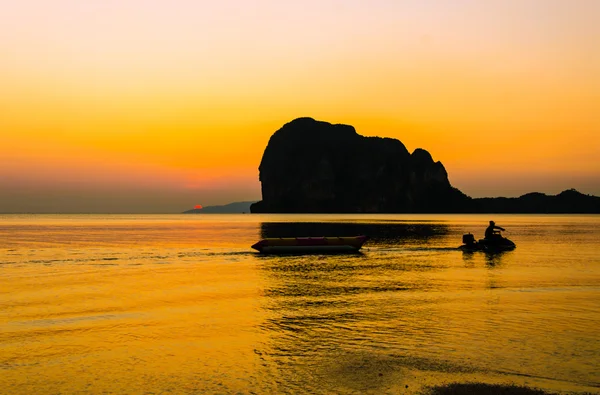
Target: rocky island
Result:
[316, 167]
[312, 166]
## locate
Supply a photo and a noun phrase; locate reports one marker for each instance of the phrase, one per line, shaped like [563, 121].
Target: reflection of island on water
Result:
[378, 233]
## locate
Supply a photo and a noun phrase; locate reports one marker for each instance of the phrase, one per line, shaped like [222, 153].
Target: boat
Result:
[497, 243]
[310, 245]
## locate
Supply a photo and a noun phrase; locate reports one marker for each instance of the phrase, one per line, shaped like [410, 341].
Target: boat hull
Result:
[493, 245]
[310, 245]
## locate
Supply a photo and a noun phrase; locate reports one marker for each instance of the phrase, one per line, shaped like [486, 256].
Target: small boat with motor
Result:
[496, 243]
[310, 245]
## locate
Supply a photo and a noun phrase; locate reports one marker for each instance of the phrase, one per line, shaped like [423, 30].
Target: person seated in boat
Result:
[491, 233]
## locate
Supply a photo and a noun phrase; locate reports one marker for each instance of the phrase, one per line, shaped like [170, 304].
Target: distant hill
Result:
[566, 202]
[231, 208]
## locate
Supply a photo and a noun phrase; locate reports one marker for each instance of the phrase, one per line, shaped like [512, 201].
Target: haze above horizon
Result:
[146, 106]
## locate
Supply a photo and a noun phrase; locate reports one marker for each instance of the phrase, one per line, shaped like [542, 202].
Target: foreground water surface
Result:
[181, 304]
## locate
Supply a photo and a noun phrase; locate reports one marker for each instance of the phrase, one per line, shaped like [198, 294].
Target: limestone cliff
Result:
[315, 167]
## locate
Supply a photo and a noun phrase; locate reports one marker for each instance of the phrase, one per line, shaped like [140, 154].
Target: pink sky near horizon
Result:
[149, 106]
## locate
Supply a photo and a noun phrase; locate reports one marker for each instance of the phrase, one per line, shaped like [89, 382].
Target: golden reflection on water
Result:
[147, 308]
[128, 329]
[406, 316]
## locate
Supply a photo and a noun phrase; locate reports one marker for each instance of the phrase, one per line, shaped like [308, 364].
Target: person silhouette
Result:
[490, 233]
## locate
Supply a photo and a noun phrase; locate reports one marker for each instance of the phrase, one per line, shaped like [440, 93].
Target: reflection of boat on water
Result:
[307, 245]
[497, 243]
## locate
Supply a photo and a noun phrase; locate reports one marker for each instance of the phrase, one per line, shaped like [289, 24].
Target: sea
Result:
[181, 304]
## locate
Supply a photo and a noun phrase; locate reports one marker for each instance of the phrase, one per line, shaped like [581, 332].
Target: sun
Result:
[198, 207]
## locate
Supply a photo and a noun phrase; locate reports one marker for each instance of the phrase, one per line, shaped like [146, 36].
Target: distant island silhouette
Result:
[231, 208]
[312, 166]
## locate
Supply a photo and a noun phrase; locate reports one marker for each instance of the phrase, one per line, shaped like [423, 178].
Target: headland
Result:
[312, 166]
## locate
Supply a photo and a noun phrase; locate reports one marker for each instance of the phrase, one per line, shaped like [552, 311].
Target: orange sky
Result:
[153, 106]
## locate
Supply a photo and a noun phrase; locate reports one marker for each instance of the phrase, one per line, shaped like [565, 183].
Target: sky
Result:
[144, 106]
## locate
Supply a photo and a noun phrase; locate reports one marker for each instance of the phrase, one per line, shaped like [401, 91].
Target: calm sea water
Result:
[181, 304]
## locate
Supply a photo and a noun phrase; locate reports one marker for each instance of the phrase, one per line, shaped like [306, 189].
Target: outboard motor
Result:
[468, 239]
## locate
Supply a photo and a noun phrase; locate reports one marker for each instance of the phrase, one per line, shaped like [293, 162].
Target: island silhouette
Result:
[231, 208]
[313, 166]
